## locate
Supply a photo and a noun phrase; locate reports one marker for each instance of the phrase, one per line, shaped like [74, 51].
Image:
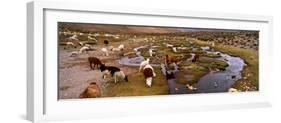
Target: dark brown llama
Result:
[171, 59]
[95, 61]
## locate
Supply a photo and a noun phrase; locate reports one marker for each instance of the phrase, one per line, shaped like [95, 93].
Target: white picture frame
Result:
[42, 103]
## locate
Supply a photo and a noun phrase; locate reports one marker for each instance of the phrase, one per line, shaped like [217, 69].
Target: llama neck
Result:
[147, 60]
[122, 74]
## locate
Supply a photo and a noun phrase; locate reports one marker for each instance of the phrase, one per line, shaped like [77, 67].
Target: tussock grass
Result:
[137, 86]
[250, 56]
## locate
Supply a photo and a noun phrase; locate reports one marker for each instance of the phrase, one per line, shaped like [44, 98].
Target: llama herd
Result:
[112, 71]
[93, 90]
[84, 48]
[117, 74]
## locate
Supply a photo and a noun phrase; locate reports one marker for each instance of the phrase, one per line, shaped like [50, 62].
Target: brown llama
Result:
[95, 61]
[92, 91]
[171, 59]
[148, 73]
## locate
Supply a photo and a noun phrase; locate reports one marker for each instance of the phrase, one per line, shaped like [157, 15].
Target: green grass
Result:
[249, 55]
[195, 71]
[137, 86]
[210, 55]
[145, 54]
[219, 64]
[185, 63]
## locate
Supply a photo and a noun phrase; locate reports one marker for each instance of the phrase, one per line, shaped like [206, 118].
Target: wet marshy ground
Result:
[214, 81]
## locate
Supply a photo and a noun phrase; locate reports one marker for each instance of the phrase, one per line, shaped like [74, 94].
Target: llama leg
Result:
[140, 68]
[91, 65]
[115, 78]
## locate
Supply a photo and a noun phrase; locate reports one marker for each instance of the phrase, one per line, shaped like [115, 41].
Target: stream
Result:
[221, 81]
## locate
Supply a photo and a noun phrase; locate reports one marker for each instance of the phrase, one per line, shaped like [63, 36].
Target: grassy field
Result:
[251, 71]
[137, 86]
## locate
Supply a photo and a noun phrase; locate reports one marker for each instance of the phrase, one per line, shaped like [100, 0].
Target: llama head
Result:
[111, 48]
[102, 67]
[126, 78]
[147, 59]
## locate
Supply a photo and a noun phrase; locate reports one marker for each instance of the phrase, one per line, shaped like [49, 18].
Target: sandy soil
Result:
[75, 73]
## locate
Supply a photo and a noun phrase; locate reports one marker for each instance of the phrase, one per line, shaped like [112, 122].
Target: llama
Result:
[143, 64]
[171, 59]
[120, 74]
[81, 33]
[73, 38]
[150, 52]
[169, 45]
[232, 90]
[83, 49]
[84, 44]
[190, 87]
[81, 43]
[74, 54]
[104, 51]
[182, 48]
[213, 44]
[174, 49]
[70, 44]
[92, 91]
[196, 58]
[148, 73]
[92, 39]
[115, 72]
[88, 45]
[121, 47]
[95, 61]
[106, 42]
[114, 49]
